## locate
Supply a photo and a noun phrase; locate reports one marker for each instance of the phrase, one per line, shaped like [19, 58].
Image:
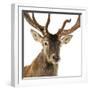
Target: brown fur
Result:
[46, 62]
[40, 67]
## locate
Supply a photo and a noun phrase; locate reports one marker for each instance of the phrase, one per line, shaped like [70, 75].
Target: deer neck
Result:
[42, 56]
[44, 67]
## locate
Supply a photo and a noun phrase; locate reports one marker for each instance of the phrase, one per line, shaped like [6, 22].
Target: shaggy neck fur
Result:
[40, 67]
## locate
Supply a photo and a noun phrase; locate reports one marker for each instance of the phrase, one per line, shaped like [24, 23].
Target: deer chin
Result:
[50, 60]
[53, 62]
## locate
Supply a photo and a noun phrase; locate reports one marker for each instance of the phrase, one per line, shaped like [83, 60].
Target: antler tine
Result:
[48, 21]
[36, 23]
[66, 21]
[28, 19]
[73, 28]
[46, 26]
[62, 28]
[32, 21]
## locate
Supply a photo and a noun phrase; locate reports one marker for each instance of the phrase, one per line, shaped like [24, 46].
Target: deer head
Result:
[51, 42]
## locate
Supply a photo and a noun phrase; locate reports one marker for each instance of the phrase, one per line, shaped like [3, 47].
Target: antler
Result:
[72, 29]
[48, 21]
[32, 21]
[61, 29]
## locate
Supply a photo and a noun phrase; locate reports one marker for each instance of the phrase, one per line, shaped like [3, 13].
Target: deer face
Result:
[51, 48]
[51, 45]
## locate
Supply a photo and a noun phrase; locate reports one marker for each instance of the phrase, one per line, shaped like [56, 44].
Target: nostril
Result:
[54, 57]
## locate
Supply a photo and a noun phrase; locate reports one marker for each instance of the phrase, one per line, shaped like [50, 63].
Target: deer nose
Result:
[55, 57]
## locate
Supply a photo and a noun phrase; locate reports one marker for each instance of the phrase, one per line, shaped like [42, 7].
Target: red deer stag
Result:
[46, 63]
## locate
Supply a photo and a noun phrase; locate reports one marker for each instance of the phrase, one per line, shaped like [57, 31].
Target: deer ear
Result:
[65, 39]
[36, 36]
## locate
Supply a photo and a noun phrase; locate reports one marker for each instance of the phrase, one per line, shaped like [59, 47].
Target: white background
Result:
[70, 53]
[5, 42]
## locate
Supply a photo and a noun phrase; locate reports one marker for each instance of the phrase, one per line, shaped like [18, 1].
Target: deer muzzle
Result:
[54, 58]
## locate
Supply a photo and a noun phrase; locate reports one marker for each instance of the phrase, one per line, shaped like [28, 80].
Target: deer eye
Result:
[45, 43]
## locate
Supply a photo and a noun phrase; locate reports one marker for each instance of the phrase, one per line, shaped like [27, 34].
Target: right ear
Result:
[36, 36]
[65, 39]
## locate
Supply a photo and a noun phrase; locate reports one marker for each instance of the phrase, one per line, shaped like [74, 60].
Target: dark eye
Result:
[46, 43]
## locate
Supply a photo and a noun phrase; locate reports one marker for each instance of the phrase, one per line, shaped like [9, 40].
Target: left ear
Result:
[65, 39]
[36, 36]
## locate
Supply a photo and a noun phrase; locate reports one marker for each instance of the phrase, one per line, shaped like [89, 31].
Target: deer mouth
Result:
[54, 59]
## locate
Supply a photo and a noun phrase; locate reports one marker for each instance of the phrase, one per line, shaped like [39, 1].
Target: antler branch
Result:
[36, 23]
[61, 29]
[32, 21]
[28, 19]
[72, 29]
[48, 21]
